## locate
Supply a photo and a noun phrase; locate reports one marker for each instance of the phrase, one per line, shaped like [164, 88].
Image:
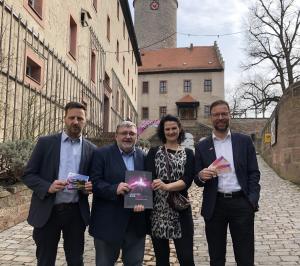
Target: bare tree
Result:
[258, 94]
[272, 40]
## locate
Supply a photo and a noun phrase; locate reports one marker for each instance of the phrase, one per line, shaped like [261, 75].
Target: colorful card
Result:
[141, 190]
[76, 181]
[221, 165]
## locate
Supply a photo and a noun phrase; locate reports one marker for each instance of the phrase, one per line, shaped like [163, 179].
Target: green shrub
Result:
[13, 158]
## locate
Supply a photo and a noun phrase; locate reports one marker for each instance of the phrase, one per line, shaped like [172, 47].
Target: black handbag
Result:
[176, 201]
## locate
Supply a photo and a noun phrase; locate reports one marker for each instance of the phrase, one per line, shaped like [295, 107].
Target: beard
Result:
[222, 128]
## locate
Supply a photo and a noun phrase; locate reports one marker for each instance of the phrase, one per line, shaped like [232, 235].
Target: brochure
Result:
[76, 181]
[221, 165]
[141, 190]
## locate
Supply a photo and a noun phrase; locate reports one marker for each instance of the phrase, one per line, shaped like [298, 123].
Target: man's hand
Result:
[139, 208]
[88, 187]
[122, 188]
[207, 174]
[57, 185]
[159, 184]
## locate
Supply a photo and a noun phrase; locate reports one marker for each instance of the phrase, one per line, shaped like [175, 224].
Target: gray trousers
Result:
[132, 251]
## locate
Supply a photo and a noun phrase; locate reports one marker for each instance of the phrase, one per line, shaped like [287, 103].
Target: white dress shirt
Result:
[227, 182]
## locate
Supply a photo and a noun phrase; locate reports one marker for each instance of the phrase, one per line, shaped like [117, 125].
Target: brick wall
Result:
[284, 155]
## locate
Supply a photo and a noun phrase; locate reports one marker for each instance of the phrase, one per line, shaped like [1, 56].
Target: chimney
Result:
[191, 46]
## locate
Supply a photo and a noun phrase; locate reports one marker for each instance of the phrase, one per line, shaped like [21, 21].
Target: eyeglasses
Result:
[217, 115]
[125, 133]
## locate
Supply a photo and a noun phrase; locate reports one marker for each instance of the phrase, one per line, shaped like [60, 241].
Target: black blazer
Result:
[246, 167]
[109, 218]
[42, 169]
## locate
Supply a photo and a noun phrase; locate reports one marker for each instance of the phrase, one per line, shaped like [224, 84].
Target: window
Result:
[207, 85]
[145, 113]
[33, 70]
[36, 6]
[117, 101]
[163, 87]
[93, 66]
[108, 28]
[187, 86]
[206, 110]
[123, 65]
[124, 29]
[122, 109]
[118, 9]
[128, 77]
[145, 87]
[118, 51]
[73, 37]
[162, 111]
[95, 4]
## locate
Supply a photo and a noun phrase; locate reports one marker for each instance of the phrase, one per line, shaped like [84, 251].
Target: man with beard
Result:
[230, 197]
[113, 227]
[55, 209]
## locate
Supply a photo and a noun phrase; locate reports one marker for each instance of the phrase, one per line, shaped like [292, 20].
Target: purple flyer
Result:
[141, 190]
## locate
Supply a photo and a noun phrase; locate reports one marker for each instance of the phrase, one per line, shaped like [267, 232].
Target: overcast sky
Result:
[214, 17]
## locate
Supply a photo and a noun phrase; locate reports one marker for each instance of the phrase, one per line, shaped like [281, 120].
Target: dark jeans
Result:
[238, 213]
[133, 247]
[183, 245]
[66, 219]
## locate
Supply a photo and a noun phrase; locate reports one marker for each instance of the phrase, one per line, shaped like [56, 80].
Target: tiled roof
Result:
[180, 59]
[187, 99]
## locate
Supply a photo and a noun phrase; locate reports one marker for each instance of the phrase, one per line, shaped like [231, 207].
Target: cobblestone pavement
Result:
[277, 231]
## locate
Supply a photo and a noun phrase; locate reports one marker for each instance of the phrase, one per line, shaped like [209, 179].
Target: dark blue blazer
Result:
[42, 169]
[109, 218]
[246, 168]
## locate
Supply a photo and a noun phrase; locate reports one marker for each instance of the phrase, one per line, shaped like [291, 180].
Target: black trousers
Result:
[183, 245]
[65, 218]
[238, 213]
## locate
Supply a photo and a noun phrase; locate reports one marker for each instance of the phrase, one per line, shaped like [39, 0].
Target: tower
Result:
[154, 21]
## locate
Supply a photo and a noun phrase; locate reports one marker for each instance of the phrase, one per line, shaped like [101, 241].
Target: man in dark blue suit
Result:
[229, 198]
[113, 227]
[53, 208]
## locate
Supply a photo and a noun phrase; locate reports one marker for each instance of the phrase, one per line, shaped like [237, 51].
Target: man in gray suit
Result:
[55, 209]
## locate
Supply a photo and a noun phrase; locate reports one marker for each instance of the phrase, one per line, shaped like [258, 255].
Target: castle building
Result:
[181, 81]
[155, 23]
[57, 51]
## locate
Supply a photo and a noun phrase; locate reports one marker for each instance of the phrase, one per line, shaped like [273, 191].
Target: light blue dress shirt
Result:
[128, 159]
[70, 156]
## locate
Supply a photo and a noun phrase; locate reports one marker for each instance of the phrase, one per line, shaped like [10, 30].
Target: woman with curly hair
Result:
[172, 168]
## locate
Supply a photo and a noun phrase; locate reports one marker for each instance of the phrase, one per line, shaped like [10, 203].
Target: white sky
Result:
[202, 17]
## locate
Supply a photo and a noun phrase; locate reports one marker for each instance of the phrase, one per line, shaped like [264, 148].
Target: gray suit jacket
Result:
[42, 169]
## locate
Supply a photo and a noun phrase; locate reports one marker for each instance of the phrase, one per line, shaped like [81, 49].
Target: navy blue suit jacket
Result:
[42, 169]
[109, 218]
[246, 167]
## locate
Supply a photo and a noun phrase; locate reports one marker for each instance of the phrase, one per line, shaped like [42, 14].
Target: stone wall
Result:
[283, 153]
[251, 127]
[14, 205]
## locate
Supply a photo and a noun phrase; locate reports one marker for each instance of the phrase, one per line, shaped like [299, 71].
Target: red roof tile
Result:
[187, 99]
[168, 59]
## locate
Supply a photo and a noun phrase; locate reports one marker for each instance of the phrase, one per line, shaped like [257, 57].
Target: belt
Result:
[65, 206]
[230, 195]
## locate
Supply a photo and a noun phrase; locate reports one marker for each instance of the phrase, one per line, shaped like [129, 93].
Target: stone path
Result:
[277, 231]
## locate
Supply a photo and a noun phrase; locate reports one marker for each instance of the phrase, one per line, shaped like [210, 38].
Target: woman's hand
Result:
[159, 184]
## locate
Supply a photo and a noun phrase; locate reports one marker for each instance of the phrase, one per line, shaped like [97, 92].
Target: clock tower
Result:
[155, 21]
